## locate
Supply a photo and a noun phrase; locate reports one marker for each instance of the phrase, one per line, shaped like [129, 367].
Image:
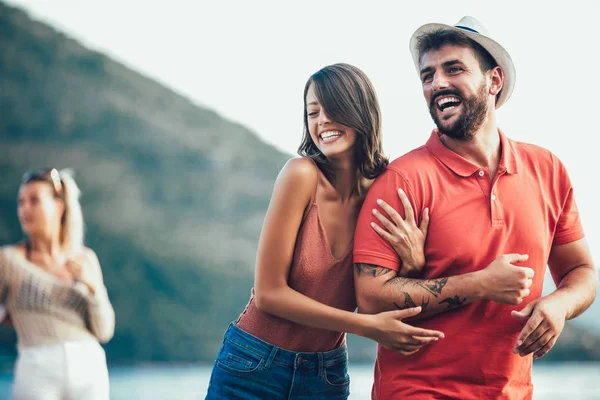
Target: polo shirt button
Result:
[481, 173]
[493, 197]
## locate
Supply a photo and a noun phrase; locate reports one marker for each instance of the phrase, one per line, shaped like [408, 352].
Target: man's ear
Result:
[496, 76]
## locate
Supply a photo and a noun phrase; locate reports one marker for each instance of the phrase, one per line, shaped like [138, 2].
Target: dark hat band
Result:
[466, 28]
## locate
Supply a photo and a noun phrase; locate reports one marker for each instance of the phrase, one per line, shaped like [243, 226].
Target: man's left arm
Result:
[576, 281]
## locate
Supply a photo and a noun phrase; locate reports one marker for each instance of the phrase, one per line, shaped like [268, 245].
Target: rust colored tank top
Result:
[316, 273]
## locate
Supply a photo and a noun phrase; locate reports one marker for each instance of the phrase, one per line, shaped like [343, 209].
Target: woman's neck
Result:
[346, 177]
[46, 244]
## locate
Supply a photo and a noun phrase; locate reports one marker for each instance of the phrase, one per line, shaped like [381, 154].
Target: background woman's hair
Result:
[348, 97]
[72, 227]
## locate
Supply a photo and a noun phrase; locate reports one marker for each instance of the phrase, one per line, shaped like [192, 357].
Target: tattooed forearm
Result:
[371, 270]
[453, 302]
[424, 304]
[381, 289]
[433, 286]
[410, 303]
[397, 281]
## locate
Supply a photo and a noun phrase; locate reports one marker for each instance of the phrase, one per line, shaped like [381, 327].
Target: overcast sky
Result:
[249, 61]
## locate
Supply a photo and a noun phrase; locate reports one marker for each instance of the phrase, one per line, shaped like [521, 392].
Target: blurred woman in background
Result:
[289, 343]
[55, 296]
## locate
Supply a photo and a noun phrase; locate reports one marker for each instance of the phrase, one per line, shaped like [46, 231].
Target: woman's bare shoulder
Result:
[301, 172]
[301, 167]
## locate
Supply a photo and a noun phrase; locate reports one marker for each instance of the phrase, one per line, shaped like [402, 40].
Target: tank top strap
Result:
[313, 199]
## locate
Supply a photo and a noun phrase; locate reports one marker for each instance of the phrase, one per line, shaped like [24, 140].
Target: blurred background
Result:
[178, 116]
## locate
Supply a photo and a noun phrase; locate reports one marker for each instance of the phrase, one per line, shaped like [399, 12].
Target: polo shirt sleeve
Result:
[568, 228]
[369, 247]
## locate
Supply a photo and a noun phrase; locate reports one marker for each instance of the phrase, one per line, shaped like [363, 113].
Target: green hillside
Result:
[173, 194]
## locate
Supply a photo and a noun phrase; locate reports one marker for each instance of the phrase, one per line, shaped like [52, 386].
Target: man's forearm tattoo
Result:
[453, 302]
[433, 286]
[397, 281]
[371, 270]
[408, 302]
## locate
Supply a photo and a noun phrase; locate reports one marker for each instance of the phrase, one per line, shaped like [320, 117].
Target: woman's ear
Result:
[60, 207]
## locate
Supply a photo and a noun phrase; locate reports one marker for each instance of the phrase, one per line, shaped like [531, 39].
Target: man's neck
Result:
[483, 150]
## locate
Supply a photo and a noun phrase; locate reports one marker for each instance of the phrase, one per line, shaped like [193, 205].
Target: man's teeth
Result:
[445, 100]
[329, 135]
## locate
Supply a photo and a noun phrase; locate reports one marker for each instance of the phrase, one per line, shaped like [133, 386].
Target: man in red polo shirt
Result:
[500, 210]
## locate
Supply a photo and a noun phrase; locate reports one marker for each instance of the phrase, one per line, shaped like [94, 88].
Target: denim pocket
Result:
[337, 374]
[238, 360]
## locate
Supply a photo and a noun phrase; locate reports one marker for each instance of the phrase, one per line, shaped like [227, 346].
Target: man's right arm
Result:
[381, 289]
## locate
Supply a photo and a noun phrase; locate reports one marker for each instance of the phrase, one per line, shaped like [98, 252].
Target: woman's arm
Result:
[4, 316]
[101, 316]
[291, 197]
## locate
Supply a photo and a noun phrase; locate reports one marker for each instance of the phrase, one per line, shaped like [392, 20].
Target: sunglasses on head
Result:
[49, 175]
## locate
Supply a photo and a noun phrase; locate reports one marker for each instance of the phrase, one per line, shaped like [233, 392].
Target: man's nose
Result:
[439, 82]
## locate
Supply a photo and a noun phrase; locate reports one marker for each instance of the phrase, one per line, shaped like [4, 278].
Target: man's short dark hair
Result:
[442, 37]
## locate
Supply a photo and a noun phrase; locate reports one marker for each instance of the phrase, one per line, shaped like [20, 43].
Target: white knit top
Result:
[45, 309]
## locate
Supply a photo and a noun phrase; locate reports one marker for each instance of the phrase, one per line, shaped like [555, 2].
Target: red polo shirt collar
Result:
[465, 168]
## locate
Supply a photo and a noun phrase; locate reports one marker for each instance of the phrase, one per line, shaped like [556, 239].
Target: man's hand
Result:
[505, 283]
[546, 322]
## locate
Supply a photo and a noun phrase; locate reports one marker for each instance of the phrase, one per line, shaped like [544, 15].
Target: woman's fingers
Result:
[390, 226]
[391, 211]
[409, 215]
[425, 222]
[382, 232]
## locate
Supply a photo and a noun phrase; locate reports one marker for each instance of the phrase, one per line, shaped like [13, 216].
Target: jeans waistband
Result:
[282, 357]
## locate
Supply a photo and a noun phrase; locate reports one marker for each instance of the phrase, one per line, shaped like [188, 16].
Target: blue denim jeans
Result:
[249, 368]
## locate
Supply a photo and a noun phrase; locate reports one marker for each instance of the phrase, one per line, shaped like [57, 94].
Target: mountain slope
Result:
[173, 194]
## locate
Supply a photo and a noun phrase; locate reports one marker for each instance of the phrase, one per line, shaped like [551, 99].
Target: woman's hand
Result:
[388, 329]
[406, 238]
[80, 272]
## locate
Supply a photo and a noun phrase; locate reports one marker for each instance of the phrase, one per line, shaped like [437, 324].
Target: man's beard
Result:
[469, 121]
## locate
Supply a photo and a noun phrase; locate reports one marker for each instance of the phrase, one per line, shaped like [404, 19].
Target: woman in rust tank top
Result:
[289, 342]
